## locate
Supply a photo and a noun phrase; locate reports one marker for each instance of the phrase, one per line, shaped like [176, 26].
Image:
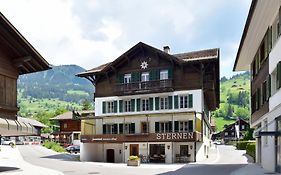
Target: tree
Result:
[229, 111]
[249, 134]
[86, 105]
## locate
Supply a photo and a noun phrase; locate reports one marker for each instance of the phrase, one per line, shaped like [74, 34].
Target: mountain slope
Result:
[234, 100]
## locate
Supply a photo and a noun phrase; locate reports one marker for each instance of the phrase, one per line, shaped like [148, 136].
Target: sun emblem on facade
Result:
[144, 65]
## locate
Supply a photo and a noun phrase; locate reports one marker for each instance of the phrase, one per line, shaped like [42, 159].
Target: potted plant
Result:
[133, 161]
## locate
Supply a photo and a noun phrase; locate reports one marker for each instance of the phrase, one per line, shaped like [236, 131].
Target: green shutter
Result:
[156, 103]
[132, 105]
[270, 39]
[121, 128]
[268, 87]
[170, 126]
[120, 105]
[157, 74]
[104, 129]
[151, 104]
[132, 129]
[115, 129]
[279, 74]
[190, 125]
[190, 100]
[135, 76]
[170, 102]
[279, 28]
[121, 78]
[156, 127]
[115, 106]
[170, 73]
[176, 127]
[152, 75]
[103, 107]
[176, 101]
[138, 105]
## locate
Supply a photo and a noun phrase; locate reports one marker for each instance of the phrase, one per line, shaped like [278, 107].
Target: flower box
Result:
[133, 161]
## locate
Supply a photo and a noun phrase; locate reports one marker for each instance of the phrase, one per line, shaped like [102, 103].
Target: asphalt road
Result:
[227, 161]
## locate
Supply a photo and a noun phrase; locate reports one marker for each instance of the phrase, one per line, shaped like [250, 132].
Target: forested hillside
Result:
[234, 100]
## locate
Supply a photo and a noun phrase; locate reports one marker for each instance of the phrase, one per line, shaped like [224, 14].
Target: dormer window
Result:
[127, 78]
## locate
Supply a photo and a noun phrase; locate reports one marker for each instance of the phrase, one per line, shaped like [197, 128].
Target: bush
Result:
[133, 158]
[241, 145]
[251, 149]
[54, 146]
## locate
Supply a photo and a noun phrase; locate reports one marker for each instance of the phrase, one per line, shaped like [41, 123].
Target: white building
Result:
[260, 51]
[152, 104]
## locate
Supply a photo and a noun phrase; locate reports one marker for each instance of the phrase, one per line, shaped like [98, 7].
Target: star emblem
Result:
[144, 65]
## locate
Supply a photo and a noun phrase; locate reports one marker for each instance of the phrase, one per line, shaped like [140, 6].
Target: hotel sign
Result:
[142, 137]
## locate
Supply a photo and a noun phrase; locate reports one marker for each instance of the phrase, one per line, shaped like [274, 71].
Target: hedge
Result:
[251, 149]
[54, 146]
[241, 145]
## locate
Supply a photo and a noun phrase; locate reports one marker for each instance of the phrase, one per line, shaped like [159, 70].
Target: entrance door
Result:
[110, 155]
[134, 149]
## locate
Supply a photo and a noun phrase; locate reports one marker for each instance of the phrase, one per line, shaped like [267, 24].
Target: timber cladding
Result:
[143, 137]
[70, 125]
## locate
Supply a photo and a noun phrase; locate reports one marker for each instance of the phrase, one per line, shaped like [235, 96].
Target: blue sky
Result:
[92, 32]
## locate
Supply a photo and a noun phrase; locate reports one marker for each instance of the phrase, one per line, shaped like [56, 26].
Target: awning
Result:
[10, 127]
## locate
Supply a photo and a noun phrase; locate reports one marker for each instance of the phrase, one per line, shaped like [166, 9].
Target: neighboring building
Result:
[260, 51]
[17, 57]
[34, 125]
[230, 132]
[152, 104]
[69, 129]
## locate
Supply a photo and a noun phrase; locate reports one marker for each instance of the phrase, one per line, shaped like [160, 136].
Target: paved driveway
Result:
[227, 161]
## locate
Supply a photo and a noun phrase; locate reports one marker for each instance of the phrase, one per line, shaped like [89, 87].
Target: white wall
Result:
[197, 103]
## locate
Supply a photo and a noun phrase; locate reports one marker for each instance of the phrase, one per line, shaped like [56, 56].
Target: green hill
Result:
[234, 100]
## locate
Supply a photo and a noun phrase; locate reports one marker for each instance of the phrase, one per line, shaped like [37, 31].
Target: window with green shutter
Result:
[132, 128]
[120, 78]
[270, 39]
[170, 126]
[132, 105]
[120, 105]
[104, 129]
[115, 129]
[115, 106]
[190, 125]
[190, 100]
[176, 126]
[170, 101]
[176, 101]
[279, 75]
[156, 103]
[151, 104]
[156, 127]
[279, 28]
[136, 76]
[120, 128]
[154, 74]
[170, 73]
[103, 107]
[138, 104]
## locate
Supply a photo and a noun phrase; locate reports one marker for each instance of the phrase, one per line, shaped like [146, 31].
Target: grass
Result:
[220, 122]
[54, 146]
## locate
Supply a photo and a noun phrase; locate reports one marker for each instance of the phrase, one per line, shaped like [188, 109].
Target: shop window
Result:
[184, 150]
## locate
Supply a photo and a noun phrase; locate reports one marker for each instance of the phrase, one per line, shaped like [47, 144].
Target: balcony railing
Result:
[143, 137]
[135, 87]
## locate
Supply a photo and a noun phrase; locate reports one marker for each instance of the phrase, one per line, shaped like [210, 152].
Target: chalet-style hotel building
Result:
[152, 104]
[260, 51]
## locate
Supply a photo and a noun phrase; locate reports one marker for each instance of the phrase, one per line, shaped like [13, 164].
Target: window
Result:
[127, 78]
[183, 101]
[145, 104]
[76, 136]
[232, 133]
[65, 125]
[127, 106]
[164, 103]
[110, 129]
[163, 74]
[144, 127]
[226, 133]
[110, 107]
[162, 127]
[144, 76]
[243, 127]
[183, 126]
[264, 90]
[129, 128]
[184, 150]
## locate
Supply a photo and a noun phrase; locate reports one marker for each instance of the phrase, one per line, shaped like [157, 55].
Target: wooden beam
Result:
[31, 66]
[23, 67]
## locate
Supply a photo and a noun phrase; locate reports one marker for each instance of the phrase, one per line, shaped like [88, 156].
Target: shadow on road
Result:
[249, 158]
[209, 169]
[63, 157]
[5, 168]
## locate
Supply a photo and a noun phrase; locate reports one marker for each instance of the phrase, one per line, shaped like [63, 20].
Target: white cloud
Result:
[90, 33]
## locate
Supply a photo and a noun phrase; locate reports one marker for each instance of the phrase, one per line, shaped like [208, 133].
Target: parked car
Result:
[73, 149]
[217, 142]
[8, 142]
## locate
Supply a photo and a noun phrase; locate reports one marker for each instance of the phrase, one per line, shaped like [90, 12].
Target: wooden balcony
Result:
[145, 86]
[143, 137]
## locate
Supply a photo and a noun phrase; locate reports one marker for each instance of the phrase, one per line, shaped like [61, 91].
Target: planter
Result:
[133, 163]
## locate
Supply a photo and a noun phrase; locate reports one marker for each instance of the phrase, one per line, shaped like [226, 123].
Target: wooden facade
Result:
[17, 57]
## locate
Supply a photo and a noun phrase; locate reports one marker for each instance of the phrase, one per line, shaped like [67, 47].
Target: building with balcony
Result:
[17, 57]
[153, 104]
[260, 52]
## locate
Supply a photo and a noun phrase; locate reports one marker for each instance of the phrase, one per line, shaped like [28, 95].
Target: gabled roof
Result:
[24, 56]
[69, 115]
[31, 121]
[177, 58]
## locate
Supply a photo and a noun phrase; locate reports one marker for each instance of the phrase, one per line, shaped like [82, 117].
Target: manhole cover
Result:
[93, 173]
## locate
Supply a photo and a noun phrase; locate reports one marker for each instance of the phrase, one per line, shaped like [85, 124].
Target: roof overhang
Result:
[261, 15]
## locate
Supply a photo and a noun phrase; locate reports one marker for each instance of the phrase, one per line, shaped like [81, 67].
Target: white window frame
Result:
[145, 104]
[164, 127]
[127, 106]
[144, 76]
[164, 74]
[127, 78]
[163, 103]
[110, 107]
[183, 126]
[183, 101]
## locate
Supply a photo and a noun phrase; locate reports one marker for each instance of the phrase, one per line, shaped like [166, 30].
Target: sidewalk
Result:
[12, 163]
[252, 169]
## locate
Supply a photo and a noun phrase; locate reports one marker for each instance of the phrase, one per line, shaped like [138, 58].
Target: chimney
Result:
[166, 49]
